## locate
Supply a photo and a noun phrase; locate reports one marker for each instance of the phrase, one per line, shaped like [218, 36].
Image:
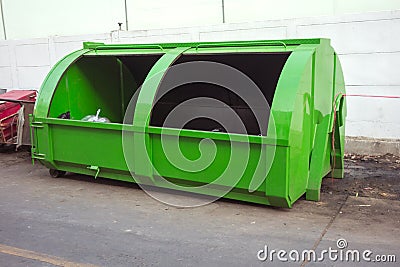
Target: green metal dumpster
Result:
[269, 140]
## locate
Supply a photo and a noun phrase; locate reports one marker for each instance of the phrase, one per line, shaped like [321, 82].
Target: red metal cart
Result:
[15, 107]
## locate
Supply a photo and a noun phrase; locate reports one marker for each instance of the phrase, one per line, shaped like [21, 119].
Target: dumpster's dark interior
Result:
[101, 82]
[263, 69]
[109, 82]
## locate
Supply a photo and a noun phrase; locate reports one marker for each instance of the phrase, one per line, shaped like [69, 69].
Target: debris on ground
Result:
[387, 160]
[367, 176]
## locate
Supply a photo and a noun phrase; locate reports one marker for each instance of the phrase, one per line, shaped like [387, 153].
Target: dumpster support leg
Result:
[318, 157]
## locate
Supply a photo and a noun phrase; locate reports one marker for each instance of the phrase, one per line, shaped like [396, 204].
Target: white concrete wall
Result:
[42, 18]
[245, 10]
[367, 45]
[2, 36]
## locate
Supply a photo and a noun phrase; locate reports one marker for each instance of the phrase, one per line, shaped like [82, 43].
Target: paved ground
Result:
[75, 221]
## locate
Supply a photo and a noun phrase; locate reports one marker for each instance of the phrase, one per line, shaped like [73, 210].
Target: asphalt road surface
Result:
[79, 221]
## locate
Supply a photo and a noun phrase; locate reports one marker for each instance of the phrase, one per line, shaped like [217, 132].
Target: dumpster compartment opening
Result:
[263, 69]
[101, 82]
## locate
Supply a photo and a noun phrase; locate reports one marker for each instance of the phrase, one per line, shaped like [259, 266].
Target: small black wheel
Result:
[56, 173]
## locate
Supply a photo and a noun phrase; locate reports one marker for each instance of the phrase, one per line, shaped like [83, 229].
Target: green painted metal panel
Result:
[290, 160]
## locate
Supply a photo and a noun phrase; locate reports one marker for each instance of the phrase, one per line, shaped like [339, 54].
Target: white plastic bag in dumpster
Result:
[96, 118]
